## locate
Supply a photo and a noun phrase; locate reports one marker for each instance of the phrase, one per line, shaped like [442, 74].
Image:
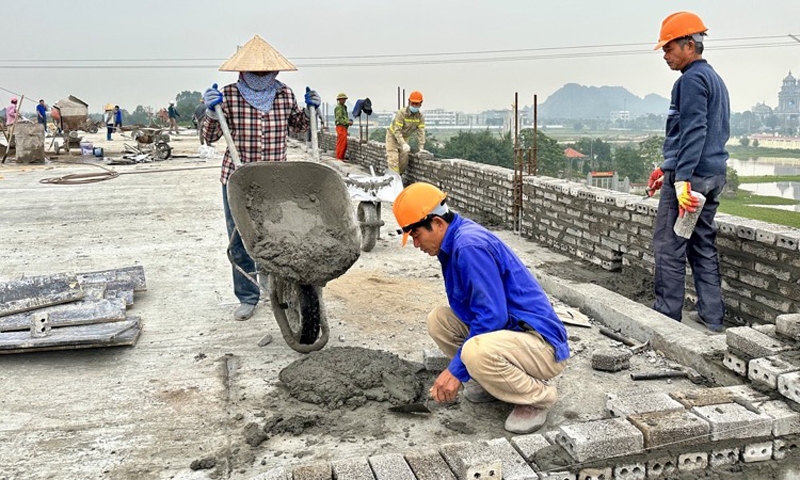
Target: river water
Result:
[770, 166]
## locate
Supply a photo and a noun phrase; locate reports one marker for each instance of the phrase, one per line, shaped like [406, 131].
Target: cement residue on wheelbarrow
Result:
[295, 220]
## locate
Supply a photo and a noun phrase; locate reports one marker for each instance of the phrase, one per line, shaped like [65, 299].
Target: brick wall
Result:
[759, 262]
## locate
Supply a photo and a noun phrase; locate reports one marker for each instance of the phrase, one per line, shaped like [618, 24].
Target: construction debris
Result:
[68, 311]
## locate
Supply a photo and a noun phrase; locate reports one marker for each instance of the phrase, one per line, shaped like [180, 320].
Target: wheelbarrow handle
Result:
[226, 132]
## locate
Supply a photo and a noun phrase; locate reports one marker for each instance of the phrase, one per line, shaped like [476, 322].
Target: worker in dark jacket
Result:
[698, 126]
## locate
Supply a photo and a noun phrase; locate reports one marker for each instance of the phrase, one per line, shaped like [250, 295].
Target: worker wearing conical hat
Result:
[260, 111]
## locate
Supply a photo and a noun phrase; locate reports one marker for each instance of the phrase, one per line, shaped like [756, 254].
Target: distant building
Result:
[623, 115]
[789, 99]
[761, 110]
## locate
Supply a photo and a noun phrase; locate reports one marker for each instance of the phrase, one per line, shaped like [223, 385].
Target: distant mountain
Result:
[574, 101]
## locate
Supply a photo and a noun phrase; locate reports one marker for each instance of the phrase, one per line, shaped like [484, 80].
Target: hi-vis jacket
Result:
[405, 123]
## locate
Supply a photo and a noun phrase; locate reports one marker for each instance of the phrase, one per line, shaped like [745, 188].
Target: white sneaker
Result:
[475, 393]
[244, 311]
[526, 419]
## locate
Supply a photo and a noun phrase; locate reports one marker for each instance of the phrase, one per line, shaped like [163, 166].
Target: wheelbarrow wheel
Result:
[163, 151]
[92, 128]
[300, 314]
[368, 216]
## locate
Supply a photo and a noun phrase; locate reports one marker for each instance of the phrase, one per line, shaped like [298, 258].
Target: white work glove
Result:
[406, 148]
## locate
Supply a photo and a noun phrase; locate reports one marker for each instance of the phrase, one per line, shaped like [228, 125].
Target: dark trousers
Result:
[672, 251]
[245, 290]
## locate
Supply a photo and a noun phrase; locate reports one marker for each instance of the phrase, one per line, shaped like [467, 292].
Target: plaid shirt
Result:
[259, 137]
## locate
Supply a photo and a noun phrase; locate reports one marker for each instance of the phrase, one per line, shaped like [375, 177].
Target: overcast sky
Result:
[203, 33]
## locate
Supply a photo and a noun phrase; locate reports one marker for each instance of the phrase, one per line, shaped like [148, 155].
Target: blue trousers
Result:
[245, 290]
[672, 251]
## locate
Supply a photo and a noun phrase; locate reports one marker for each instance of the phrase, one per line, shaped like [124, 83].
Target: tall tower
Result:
[789, 96]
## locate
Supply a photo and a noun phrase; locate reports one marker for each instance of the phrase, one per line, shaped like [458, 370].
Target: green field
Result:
[737, 151]
[741, 207]
[770, 179]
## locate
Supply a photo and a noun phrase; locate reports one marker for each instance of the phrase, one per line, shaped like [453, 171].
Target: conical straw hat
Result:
[257, 56]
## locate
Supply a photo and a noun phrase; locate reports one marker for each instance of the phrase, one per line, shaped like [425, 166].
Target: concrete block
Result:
[735, 363]
[557, 476]
[631, 471]
[789, 385]
[701, 397]
[528, 445]
[786, 420]
[352, 469]
[514, 466]
[595, 473]
[753, 343]
[662, 467]
[611, 359]
[693, 461]
[428, 465]
[472, 460]
[435, 360]
[766, 370]
[782, 448]
[788, 240]
[317, 471]
[788, 325]
[679, 427]
[757, 452]
[278, 473]
[551, 436]
[632, 404]
[724, 456]
[733, 421]
[600, 439]
[390, 467]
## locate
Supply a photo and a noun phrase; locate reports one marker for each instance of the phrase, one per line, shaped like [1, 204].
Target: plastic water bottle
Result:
[685, 226]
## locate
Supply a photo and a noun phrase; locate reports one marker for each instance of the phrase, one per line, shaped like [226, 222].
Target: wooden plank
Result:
[134, 274]
[70, 338]
[30, 293]
[82, 312]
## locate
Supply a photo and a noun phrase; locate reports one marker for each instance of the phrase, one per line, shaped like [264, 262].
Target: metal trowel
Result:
[421, 408]
[411, 408]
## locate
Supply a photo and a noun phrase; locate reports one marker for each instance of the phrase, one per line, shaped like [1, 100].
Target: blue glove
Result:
[212, 97]
[312, 98]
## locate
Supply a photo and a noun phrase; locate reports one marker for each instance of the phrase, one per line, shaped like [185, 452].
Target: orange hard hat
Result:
[679, 25]
[415, 96]
[415, 203]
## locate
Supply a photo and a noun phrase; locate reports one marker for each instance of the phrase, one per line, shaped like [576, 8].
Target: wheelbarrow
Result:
[296, 222]
[370, 191]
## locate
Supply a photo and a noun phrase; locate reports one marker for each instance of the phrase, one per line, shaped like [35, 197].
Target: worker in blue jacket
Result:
[500, 331]
[698, 127]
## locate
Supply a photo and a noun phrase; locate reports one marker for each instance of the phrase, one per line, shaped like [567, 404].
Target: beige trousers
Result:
[395, 156]
[513, 366]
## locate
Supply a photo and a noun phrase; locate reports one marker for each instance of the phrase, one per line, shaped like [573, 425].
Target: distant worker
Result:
[408, 120]
[198, 116]
[343, 122]
[11, 112]
[173, 114]
[503, 338]
[109, 119]
[117, 119]
[260, 111]
[698, 126]
[41, 115]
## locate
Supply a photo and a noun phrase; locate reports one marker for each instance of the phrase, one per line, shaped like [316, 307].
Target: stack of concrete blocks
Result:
[768, 355]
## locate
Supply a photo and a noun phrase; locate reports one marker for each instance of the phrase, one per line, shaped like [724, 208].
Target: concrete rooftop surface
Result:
[196, 378]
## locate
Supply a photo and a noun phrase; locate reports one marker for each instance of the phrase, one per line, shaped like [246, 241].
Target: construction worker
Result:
[698, 126]
[408, 120]
[343, 122]
[173, 114]
[502, 336]
[11, 112]
[260, 111]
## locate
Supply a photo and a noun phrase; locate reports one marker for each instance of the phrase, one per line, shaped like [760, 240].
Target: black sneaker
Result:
[714, 327]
